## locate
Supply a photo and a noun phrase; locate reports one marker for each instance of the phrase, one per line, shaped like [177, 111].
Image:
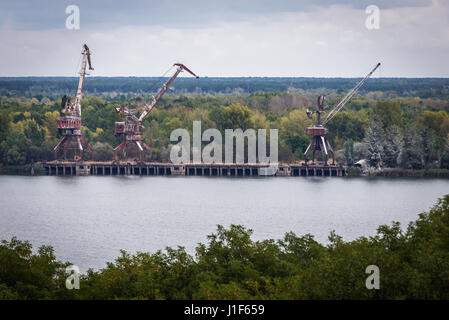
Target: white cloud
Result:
[321, 43]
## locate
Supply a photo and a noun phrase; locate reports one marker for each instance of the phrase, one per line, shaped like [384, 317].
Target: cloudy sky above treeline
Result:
[217, 38]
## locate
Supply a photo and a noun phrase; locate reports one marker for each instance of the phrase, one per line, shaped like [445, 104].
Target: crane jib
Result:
[164, 88]
[348, 96]
[79, 92]
[132, 127]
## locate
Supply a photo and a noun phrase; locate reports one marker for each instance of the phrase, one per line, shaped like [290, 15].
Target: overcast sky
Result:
[226, 38]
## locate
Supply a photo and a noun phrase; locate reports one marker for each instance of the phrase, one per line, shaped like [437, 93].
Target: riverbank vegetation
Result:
[413, 264]
[390, 129]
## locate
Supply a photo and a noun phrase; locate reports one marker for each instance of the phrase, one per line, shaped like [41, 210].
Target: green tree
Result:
[349, 151]
[30, 276]
[373, 140]
[434, 127]
[435, 121]
[34, 132]
[389, 113]
[5, 120]
[297, 143]
[411, 155]
[233, 116]
[445, 156]
[392, 145]
[102, 151]
[14, 148]
[345, 125]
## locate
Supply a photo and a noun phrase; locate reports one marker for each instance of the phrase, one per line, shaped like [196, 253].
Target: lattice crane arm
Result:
[179, 69]
[79, 92]
[348, 96]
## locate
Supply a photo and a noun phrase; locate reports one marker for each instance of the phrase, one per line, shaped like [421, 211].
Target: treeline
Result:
[412, 264]
[401, 132]
[51, 86]
[395, 139]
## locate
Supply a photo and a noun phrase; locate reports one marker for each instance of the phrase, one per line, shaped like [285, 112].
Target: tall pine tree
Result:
[373, 139]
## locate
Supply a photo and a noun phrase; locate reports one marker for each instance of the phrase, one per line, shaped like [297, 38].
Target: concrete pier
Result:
[96, 168]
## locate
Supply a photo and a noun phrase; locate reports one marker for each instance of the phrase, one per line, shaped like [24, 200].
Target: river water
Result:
[89, 219]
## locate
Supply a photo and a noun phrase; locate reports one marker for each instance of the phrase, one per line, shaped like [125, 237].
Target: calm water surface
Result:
[89, 219]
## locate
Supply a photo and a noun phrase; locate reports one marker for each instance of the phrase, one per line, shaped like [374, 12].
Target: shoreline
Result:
[293, 169]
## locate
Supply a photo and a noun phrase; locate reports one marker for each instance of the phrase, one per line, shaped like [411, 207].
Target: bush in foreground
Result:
[414, 264]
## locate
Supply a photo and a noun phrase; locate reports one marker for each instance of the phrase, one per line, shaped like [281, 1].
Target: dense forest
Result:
[413, 264]
[113, 86]
[390, 129]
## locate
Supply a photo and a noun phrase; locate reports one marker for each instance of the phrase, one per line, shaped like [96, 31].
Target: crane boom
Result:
[79, 92]
[132, 127]
[348, 96]
[180, 68]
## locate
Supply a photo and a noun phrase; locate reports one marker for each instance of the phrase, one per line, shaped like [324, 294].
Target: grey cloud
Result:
[310, 40]
[50, 14]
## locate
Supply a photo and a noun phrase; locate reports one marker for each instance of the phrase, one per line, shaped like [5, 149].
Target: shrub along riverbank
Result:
[399, 173]
[22, 170]
[413, 264]
[429, 173]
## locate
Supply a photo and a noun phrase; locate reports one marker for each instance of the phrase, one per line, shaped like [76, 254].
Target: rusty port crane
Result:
[318, 132]
[132, 127]
[70, 121]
